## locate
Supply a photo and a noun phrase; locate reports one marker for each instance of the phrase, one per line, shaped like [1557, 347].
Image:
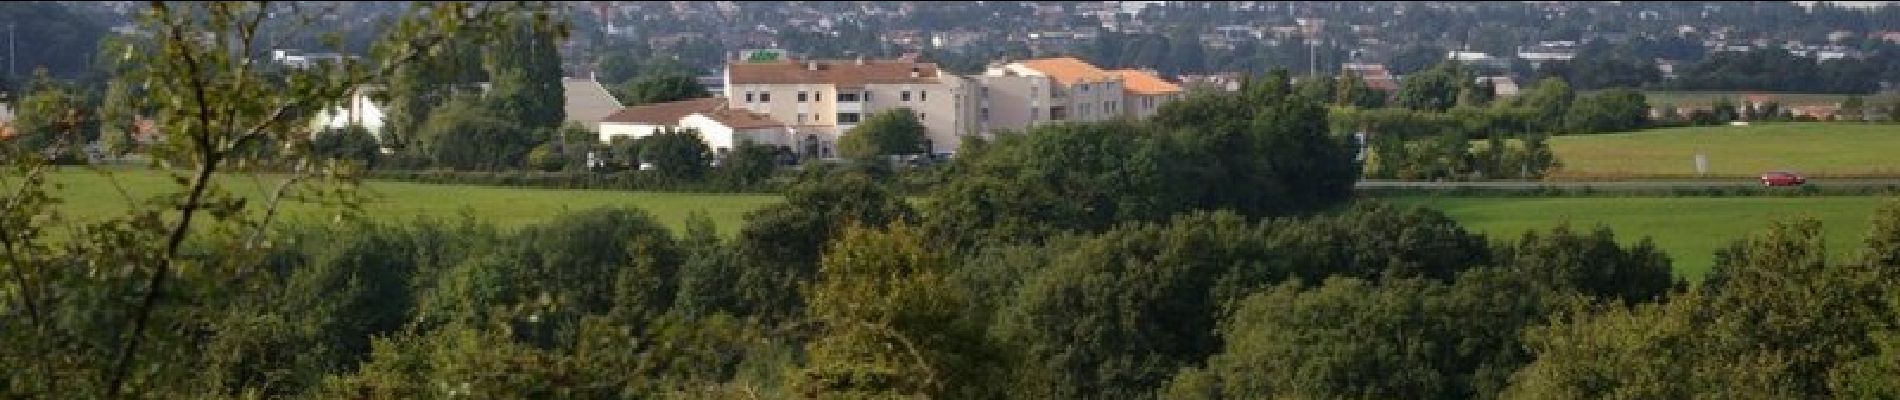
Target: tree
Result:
[662, 89]
[215, 108]
[749, 164]
[1349, 338]
[1854, 108]
[465, 134]
[1436, 89]
[1550, 99]
[1614, 110]
[780, 245]
[51, 119]
[117, 120]
[677, 154]
[892, 324]
[891, 132]
[525, 70]
[353, 143]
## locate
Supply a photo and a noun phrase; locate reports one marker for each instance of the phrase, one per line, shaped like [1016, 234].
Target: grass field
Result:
[1659, 98]
[89, 194]
[1690, 229]
[1816, 149]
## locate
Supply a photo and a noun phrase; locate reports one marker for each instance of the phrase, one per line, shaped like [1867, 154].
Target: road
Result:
[1638, 184]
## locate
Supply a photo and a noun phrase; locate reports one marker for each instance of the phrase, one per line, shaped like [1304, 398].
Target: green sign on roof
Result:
[762, 56]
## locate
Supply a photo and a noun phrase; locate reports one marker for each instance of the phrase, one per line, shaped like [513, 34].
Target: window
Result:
[817, 117]
[1148, 102]
[765, 97]
[818, 95]
[848, 118]
[1058, 113]
[1108, 106]
[749, 96]
[983, 113]
[923, 95]
[867, 95]
[983, 92]
[903, 96]
[922, 116]
[801, 118]
[847, 96]
[801, 96]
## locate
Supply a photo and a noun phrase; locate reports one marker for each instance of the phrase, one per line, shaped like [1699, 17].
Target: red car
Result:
[1782, 178]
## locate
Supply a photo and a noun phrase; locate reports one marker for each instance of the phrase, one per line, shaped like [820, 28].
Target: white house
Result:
[725, 128]
[358, 110]
[639, 121]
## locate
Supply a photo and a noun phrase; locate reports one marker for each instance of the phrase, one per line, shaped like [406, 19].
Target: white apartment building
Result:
[820, 100]
[807, 105]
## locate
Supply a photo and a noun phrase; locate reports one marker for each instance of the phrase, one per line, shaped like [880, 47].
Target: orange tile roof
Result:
[741, 119]
[664, 113]
[1068, 70]
[1145, 83]
[836, 72]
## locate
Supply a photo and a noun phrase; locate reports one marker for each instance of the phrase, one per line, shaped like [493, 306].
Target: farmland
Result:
[1690, 229]
[1815, 149]
[91, 194]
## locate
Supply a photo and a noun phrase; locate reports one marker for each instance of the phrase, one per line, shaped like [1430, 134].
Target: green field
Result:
[1816, 149]
[1690, 229]
[1659, 98]
[90, 194]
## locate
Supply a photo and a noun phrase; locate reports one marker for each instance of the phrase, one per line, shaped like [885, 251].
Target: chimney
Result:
[811, 65]
[860, 60]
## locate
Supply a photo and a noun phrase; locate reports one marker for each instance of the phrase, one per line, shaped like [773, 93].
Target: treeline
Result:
[1428, 128]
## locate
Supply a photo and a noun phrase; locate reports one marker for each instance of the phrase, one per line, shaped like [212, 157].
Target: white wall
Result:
[608, 130]
[717, 135]
[359, 110]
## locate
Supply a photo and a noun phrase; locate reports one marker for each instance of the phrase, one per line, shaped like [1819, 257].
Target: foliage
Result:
[350, 143]
[662, 89]
[1614, 110]
[1262, 152]
[891, 324]
[780, 245]
[464, 134]
[677, 154]
[891, 132]
[52, 119]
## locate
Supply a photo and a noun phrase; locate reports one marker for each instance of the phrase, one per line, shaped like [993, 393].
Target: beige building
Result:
[1077, 91]
[807, 105]
[820, 100]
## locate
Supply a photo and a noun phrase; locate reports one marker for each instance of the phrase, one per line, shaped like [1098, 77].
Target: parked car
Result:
[1782, 178]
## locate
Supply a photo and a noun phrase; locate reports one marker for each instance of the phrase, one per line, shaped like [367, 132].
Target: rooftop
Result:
[835, 72]
[1068, 70]
[1145, 83]
[665, 113]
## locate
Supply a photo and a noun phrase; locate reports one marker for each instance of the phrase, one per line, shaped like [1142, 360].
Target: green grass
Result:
[1702, 99]
[1813, 148]
[90, 194]
[1690, 229]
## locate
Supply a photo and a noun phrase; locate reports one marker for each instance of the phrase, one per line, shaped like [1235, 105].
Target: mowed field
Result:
[1816, 149]
[89, 194]
[1690, 229]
